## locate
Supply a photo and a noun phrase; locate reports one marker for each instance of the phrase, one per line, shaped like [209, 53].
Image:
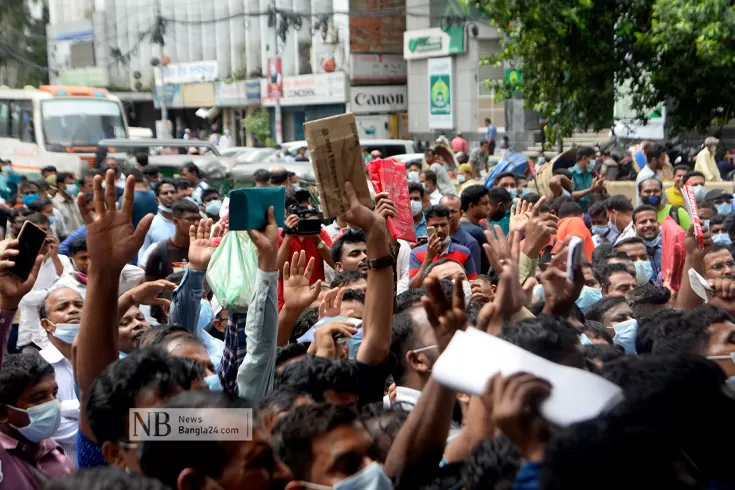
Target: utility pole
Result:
[279, 121]
[159, 21]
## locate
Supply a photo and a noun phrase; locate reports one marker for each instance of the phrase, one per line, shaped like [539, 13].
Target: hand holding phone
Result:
[30, 241]
[12, 288]
[431, 231]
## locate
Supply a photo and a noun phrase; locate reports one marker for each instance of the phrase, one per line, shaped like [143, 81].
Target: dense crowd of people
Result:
[336, 351]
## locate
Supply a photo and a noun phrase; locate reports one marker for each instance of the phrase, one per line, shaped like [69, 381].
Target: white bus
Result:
[57, 125]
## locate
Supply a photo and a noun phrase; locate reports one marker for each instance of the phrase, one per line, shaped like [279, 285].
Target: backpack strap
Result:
[162, 249]
[674, 213]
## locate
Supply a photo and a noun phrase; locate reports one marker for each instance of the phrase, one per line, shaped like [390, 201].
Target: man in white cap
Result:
[226, 140]
[187, 134]
[706, 163]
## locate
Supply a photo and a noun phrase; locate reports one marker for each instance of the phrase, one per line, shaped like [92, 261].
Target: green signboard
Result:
[441, 101]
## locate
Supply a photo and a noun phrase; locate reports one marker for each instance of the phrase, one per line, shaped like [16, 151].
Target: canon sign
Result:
[377, 99]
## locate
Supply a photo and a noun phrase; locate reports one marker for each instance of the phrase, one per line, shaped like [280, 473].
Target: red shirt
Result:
[306, 244]
[459, 144]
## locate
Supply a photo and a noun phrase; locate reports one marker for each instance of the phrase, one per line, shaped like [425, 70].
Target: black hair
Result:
[642, 209]
[585, 151]
[48, 168]
[650, 327]
[597, 311]
[315, 375]
[295, 432]
[408, 299]
[715, 249]
[620, 203]
[90, 173]
[429, 176]
[281, 400]
[352, 295]
[137, 174]
[166, 459]
[416, 187]
[492, 464]
[306, 320]
[78, 244]
[655, 151]
[181, 206]
[39, 204]
[192, 168]
[718, 219]
[278, 177]
[601, 252]
[161, 335]
[142, 158]
[546, 336]
[163, 182]
[647, 299]
[38, 218]
[640, 184]
[261, 176]
[349, 236]
[503, 175]
[472, 194]
[20, 372]
[629, 240]
[150, 170]
[570, 209]
[105, 478]
[208, 192]
[181, 183]
[291, 351]
[62, 176]
[691, 333]
[596, 330]
[498, 195]
[404, 338]
[681, 167]
[114, 390]
[533, 198]
[438, 263]
[437, 211]
[345, 278]
[597, 209]
[383, 424]
[473, 311]
[694, 173]
[604, 272]
[602, 352]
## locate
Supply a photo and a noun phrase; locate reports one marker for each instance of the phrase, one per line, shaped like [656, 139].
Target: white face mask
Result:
[416, 208]
[414, 176]
[372, 477]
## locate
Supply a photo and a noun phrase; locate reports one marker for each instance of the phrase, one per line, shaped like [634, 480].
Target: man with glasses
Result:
[718, 263]
[457, 234]
[167, 255]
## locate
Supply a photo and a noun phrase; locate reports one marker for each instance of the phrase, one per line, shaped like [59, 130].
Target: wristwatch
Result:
[381, 262]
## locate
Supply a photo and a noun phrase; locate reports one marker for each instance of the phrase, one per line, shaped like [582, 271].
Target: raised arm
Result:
[112, 243]
[255, 374]
[297, 294]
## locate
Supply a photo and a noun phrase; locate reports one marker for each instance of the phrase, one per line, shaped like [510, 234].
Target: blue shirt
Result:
[581, 181]
[80, 232]
[421, 227]
[463, 238]
[491, 132]
[161, 229]
[528, 477]
[144, 202]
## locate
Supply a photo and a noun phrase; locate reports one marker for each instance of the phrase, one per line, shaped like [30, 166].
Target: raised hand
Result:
[539, 230]
[112, 241]
[692, 247]
[432, 248]
[266, 242]
[297, 293]
[384, 206]
[52, 243]
[519, 216]
[498, 248]
[147, 293]
[559, 291]
[325, 344]
[510, 297]
[13, 289]
[200, 252]
[331, 305]
[444, 316]
[514, 404]
[360, 216]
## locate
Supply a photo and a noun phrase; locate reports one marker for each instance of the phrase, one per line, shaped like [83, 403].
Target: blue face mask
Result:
[72, 189]
[7, 170]
[354, 344]
[66, 332]
[205, 315]
[653, 243]
[724, 208]
[213, 382]
[513, 193]
[625, 334]
[643, 271]
[52, 220]
[588, 297]
[722, 239]
[600, 230]
[373, 477]
[44, 420]
[699, 192]
[121, 355]
[163, 209]
[29, 198]
[584, 340]
[613, 227]
[213, 207]
[652, 200]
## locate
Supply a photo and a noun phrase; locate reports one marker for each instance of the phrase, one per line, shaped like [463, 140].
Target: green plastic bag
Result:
[231, 271]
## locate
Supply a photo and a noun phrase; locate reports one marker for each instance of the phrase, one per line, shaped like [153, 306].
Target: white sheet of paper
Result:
[473, 357]
[699, 285]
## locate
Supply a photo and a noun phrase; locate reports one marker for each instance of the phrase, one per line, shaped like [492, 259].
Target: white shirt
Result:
[406, 398]
[225, 141]
[29, 329]
[628, 232]
[435, 197]
[130, 277]
[66, 434]
[402, 261]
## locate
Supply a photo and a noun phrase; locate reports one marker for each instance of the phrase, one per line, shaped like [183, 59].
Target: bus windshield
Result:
[80, 122]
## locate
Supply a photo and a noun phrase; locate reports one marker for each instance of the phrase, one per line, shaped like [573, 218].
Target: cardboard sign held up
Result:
[336, 157]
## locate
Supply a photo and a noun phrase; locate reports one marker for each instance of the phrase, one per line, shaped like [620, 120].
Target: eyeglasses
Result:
[723, 358]
[424, 349]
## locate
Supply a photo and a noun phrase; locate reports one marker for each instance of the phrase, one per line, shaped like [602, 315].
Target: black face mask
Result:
[497, 215]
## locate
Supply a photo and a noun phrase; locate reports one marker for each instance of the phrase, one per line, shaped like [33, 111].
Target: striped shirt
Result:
[455, 252]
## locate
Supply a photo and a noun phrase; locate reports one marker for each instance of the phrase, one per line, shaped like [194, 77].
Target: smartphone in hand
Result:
[31, 238]
[431, 231]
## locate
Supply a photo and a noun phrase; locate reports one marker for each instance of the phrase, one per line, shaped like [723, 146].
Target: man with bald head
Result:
[457, 234]
[279, 175]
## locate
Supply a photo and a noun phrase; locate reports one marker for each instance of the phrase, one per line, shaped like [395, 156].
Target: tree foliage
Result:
[574, 53]
[258, 124]
[23, 49]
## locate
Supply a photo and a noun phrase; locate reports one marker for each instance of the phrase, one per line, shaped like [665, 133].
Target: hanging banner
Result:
[441, 103]
[275, 78]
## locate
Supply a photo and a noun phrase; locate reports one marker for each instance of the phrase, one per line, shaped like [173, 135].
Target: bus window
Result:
[15, 120]
[4, 119]
[28, 133]
[81, 122]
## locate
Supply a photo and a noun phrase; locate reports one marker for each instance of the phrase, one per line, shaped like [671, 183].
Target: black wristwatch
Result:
[381, 262]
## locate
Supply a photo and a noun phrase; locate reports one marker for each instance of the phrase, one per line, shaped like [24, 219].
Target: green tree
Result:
[574, 53]
[259, 125]
[23, 53]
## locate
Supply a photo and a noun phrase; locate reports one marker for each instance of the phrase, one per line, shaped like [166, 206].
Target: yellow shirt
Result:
[675, 197]
[706, 164]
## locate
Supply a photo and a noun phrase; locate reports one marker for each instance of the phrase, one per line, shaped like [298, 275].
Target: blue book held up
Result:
[248, 207]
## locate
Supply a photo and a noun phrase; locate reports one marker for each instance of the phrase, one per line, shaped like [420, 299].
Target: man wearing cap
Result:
[721, 200]
[705, 161]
